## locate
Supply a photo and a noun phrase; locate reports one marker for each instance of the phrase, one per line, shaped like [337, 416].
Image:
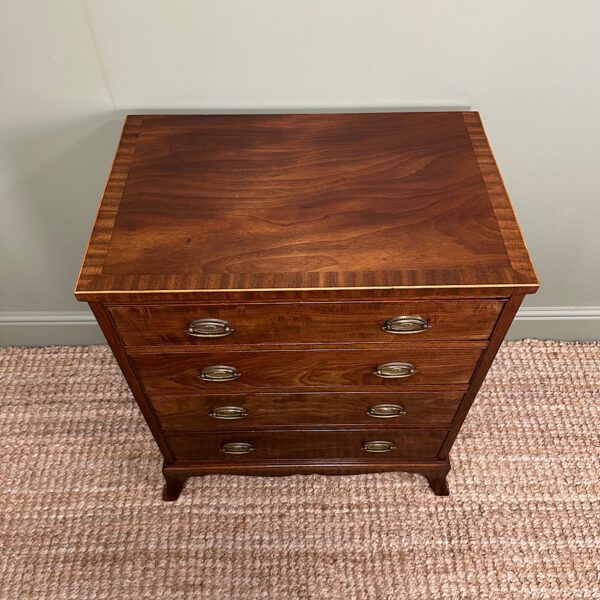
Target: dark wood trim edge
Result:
[501, 328]
[510, 229]
[112, 337]
[102, 229]
[435, 471]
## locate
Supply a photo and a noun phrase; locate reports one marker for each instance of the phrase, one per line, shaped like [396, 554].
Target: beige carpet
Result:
[81, 515]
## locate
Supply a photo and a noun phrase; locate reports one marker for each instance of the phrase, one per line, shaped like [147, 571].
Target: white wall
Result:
[69, 70]
[56, 144]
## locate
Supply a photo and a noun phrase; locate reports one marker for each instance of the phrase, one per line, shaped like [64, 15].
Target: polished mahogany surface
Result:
[269, 202]
[279, 411]
[325, 369]
[306, 444]
[305, 293]
[305, 322]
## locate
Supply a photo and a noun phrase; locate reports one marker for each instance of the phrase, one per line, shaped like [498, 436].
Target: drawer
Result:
[308, 322]
[306, 444]
[186, 371]
[377, 409]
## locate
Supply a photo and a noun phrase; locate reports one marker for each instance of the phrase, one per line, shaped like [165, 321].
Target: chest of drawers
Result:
[305, 293]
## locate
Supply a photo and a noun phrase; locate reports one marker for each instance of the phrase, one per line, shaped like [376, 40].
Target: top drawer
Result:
[305, 323]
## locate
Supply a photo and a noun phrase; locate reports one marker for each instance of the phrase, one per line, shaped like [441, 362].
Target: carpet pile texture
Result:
[81, 514]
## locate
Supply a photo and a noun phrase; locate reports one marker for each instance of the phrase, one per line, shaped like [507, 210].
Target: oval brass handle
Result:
[237, 448]
[386, 411]
[209, 328]
[228, 412]
[379, 446]
[395, 370]
[219, 373]
[406, 324]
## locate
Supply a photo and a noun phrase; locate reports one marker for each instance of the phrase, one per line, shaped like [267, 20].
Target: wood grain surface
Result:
[305, 323]
[279, 411]
[305, 444]
[179, 372]
[264, 202]
[306, 233]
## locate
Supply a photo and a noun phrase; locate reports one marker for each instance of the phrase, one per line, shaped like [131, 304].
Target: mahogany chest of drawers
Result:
[305, 293]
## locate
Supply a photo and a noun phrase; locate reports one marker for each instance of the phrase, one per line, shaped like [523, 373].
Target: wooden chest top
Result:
[201, 204]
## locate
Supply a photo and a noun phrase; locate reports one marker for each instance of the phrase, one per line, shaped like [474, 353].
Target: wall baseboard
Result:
[80, 328]
[49, 329]
[569, 323]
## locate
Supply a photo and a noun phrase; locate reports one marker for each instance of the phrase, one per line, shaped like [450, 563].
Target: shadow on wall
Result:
[56, 174]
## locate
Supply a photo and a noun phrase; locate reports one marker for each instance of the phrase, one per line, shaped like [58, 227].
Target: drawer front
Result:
[242, 446]
[184, 372]
[220, 411]
[309, 322]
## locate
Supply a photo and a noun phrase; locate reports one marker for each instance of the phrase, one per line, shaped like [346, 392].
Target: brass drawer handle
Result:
[386, 411]
[395, 370]
[219, 373]
[228, 412]
[237, 448]
[209, 328]
[379, 446]
[406, 324]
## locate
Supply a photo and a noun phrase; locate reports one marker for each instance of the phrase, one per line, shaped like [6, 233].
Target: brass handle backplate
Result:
[228, 412]
[406, 324]
[386, 411]
[395, 370]
[219, 373]
[237, 448]
[379, 446]
[209, 328]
